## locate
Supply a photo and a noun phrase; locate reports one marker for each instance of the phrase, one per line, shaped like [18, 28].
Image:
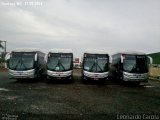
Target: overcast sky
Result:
[111, 25]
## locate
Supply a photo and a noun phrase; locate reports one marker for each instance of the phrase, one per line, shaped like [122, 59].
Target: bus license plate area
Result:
[95, 77]
[20, 73]
[20, 77]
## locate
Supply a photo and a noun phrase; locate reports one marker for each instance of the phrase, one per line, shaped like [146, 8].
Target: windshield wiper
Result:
[15, 68]
[133, 68]
[92, 66]
[22, 62]
[50, 65]
[99, 67]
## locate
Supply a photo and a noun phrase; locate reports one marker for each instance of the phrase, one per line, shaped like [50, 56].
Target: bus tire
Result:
[83, 80]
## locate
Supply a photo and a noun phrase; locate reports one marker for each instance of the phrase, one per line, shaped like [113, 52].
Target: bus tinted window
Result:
[135, 63]
[96, 62]
[21, 61]
[60, 61]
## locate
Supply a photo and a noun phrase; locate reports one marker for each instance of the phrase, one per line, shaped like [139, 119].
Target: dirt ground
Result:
[155, 71]
[39, 100]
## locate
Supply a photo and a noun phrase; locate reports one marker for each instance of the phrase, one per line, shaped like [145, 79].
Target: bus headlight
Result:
[31, 72]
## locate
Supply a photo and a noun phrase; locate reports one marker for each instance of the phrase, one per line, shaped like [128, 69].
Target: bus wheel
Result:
[70, 80]
[48, 80]
[84, 81]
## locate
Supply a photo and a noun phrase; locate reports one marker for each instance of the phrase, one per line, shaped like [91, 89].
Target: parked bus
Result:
[95, 65]
[130, 66]
[26, 63]
[60, 64]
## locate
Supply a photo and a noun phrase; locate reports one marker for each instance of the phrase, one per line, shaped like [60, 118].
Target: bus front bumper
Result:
[135, 77]
[94, 76]
[21, 74]
[59, 75]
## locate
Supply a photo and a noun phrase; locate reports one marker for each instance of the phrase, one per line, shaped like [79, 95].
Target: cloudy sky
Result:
[111, 25]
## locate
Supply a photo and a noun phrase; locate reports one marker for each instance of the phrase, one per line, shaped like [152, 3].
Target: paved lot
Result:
[61, 100]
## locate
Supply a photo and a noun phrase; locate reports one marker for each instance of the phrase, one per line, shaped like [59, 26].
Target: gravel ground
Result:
[62, 100]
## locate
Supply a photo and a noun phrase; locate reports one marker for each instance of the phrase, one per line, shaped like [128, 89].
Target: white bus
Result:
[130, 66]
[60, 64]
[95, 65]
[26, 63]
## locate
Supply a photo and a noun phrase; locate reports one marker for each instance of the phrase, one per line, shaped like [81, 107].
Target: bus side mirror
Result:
[46, 58]
[35, 57]
[110, 59]
[8, 56]
[150, 60]
[121, 59]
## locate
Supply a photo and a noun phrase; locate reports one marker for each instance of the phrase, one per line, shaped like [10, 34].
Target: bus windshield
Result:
[60, 61]
[135, 64]
[21, 61]
[96, 62]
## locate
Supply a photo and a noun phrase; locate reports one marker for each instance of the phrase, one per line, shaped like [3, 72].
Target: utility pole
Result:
[5, 47]
[3, 55]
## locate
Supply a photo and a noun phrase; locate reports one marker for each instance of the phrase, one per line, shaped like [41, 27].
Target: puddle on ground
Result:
[149, 86]
[3, 89]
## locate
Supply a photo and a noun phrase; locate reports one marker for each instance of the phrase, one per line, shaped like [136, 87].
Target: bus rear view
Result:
[60, 64]
[95, 66]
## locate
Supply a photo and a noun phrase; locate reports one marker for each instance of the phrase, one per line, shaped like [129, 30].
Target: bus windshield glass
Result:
[60, 61]
[96, 62]
[135, 64]
[22, 61]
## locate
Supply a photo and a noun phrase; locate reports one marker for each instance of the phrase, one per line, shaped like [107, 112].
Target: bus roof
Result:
[94, 51]
[130, 53]
[61, 51]
[26, 50]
